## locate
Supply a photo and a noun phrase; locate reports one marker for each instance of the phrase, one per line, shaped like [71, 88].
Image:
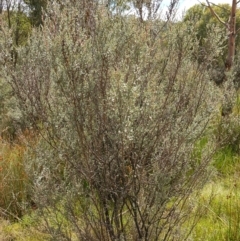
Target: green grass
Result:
[226, 161]
[24, 230]
[13, 180]
[219, 203]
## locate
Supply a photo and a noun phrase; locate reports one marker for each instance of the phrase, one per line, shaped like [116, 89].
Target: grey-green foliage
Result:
[119, 110]
[10, 115]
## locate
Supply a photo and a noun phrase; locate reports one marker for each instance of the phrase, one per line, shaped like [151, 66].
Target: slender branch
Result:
[215, 14]
[214, 4]
[237, 31]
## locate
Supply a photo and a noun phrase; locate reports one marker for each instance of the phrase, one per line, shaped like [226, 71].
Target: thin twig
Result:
[216, 5]
[215, 14]
[237, 31]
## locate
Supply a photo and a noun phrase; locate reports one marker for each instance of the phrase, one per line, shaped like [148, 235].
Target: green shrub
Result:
[119, 110]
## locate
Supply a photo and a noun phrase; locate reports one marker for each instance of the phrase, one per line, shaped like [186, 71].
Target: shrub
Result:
[119, 110]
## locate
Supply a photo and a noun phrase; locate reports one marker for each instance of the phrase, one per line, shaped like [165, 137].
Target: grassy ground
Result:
[3, 235]
[217, 210]
[20, 231]
[219, 202]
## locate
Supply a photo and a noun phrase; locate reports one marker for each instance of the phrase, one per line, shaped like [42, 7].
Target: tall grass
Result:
[13, 179]
[219, 219]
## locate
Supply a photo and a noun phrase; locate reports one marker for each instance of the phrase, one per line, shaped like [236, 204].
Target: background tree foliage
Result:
[36, 10]
[206, 22]
[16, 28]
[204, 18]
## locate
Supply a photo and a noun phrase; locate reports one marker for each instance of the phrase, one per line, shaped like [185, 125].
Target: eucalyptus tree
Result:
[231, 31]
[205, 22]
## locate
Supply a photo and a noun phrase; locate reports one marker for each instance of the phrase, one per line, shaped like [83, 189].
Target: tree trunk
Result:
[231, 36]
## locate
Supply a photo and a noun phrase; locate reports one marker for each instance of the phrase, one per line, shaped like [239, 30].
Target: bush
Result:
[119, 110]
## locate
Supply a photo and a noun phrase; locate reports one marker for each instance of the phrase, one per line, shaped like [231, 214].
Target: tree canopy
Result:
[203, 16]
[213, 16]
[36, 8]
